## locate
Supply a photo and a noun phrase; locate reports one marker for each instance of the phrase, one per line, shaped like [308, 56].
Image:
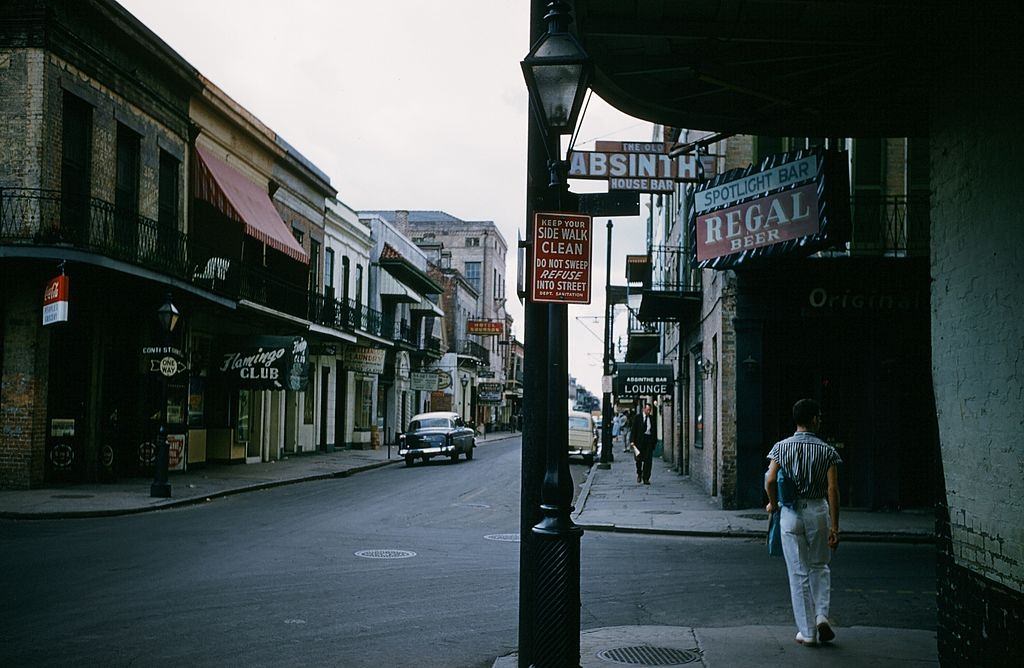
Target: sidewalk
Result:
[131, 495]
[612, 500]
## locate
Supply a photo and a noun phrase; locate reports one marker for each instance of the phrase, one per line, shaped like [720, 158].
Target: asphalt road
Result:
[273, 578]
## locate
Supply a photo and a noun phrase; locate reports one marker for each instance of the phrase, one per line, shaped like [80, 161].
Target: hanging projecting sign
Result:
[561, 258]
[425, 381]
[793, 204]
[165, 360]
[364, 360]
[485, 327]
[267, 363]
[489, 393]
[55, 300]
[641, 166]
[642, 380]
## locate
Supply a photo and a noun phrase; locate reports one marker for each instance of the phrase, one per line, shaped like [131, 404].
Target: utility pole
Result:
[606, 403]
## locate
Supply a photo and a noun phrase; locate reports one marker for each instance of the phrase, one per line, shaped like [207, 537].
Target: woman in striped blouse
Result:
[810, 524]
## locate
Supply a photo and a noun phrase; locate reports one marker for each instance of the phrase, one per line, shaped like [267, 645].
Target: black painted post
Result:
[606, 404]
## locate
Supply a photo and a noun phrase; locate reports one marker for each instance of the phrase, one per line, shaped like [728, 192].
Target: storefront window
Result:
[364, 404]
[244, 422]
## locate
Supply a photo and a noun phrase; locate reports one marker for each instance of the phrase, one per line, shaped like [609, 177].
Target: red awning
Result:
[241, 200]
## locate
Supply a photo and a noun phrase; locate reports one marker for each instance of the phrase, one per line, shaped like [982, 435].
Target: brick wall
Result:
[978, 364]
[23, 386]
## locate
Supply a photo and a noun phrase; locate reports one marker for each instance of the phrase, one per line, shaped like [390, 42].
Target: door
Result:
[340, 404]
[325, 383]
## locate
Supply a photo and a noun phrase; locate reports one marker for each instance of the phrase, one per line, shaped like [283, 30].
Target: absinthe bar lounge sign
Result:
[793, 204]
[643, 380]
[267, 363]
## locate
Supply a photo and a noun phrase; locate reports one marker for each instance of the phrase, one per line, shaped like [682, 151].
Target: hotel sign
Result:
[485, 327]
[561, 258]
[793, 204]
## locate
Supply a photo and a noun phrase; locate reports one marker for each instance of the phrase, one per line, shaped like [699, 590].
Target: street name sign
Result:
[561, 258]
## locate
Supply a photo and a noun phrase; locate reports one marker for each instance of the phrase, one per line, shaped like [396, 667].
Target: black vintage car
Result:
[440, 434]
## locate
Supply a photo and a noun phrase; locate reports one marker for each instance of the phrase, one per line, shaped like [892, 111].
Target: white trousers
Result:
[805, 528]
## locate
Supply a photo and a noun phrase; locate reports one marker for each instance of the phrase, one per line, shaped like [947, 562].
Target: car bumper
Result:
[582, 451]
[420, 452]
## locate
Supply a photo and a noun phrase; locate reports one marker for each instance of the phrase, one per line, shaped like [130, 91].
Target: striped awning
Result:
[428, 306]
[243, 201]
[392, 288]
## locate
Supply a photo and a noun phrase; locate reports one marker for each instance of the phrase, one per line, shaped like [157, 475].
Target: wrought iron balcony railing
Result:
[474, 349]
[639, 328]
[672, 270]
[889, 225]
[50, 217]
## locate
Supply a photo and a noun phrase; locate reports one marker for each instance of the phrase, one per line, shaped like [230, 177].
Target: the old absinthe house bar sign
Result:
[792, 204]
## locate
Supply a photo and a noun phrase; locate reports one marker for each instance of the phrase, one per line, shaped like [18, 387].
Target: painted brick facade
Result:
[977, 297]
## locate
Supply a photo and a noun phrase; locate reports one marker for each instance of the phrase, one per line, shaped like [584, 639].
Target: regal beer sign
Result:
[561, 258]
[794, 204]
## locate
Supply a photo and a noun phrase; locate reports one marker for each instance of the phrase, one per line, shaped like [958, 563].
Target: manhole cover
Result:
[471, 505]
[755, 516]
[385, 554]
[504, 537]
[650, 656]
[661, 512]
[72, 496]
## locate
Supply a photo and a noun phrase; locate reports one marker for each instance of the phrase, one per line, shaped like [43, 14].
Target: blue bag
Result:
[775, 534]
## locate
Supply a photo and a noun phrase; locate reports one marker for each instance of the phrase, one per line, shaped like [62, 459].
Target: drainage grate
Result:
[504, 537]
[661, 512]
[650, 656]
[385, 554]
[72, 496]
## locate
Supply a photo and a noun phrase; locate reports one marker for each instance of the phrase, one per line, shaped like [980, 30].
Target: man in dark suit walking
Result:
[643, 437]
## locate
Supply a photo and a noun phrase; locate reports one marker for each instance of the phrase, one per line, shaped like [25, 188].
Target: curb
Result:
[195, 500]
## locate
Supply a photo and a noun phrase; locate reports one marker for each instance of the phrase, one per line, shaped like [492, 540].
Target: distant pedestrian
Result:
[627, 428]
[643, 437]
[810, 524]
[616, 428]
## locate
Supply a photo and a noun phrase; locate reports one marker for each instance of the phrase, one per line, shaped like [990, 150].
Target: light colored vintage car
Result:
[438, 434]
[581, 436]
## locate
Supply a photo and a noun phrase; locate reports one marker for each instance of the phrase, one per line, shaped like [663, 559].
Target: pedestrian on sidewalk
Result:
[616, 429]
[627, 429]
[810, 523]
[643, 437]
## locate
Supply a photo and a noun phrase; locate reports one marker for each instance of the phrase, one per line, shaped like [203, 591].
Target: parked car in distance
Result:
[581, 436]
[438, 434]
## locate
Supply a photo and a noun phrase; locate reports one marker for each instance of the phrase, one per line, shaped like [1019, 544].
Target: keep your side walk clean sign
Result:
[561, 258]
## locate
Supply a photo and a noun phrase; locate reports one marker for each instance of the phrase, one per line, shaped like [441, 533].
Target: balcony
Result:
[34, 217]
[671, 290]
[474, 349]
[893, 226]
[50, 218]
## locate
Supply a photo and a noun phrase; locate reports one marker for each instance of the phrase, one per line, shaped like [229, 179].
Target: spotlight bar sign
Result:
[561, 258]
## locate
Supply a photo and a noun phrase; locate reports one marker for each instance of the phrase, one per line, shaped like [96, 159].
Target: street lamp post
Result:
[168, 316]
[606, 399]
[464, 381]
[557, 72]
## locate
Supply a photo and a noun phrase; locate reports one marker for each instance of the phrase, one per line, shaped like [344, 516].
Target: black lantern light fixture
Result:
[557, 72]
[168, 315]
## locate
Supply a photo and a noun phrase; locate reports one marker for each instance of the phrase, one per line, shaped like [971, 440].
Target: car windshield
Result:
[430, 423]
[579, 423]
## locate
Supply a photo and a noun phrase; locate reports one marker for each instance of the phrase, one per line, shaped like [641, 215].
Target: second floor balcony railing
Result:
[344, 314]
[52, 218]
[889, 225]
[474, 349]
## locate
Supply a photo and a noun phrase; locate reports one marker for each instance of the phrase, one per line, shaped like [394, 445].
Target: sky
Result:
[406, 104]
